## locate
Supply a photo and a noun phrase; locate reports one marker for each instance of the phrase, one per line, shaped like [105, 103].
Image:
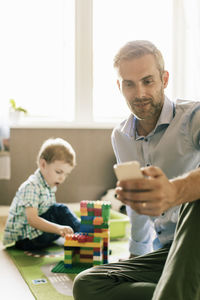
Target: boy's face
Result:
[55, 173]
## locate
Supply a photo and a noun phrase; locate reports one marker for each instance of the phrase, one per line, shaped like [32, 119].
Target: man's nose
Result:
[140, 91]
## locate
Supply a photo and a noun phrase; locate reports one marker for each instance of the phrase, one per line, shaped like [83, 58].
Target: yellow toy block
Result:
[84, 214]
[102, 234]
[72, 243]
[88, 252]
[98, 204]
[68, 252]
[86, 260]
[68, 261]
[83, 210]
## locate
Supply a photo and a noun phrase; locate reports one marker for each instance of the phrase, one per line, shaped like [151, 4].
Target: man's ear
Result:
[165, 78]
[118, 84]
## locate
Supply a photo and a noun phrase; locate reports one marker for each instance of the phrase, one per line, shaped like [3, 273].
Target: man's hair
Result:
[136, 49]
[57, 149]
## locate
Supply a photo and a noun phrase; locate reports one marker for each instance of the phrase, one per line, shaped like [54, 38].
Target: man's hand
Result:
[151, 195]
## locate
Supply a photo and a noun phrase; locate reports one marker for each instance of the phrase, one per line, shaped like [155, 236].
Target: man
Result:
[165, 139]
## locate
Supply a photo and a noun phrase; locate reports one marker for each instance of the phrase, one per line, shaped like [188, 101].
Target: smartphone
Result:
[128, 170]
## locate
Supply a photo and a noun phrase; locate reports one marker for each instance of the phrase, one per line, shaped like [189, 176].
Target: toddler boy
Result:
[35, 220]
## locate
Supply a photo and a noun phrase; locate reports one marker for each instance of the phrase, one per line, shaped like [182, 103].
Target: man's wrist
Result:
[187, 187]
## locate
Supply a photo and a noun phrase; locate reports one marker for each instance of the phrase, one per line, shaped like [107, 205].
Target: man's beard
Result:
[153, 111]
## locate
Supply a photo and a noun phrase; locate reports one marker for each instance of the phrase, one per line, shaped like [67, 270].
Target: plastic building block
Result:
[91, 245]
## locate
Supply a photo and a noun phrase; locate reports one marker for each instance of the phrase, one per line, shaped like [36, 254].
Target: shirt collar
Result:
[166, 116]
[41, 179]
[167, 113]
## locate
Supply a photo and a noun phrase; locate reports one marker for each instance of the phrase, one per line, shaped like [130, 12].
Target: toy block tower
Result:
[91, 245]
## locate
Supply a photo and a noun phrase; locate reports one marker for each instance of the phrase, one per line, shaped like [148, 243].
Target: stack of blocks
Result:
[91, 245]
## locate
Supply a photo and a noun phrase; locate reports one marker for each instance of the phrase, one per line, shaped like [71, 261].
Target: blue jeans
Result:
[57, 213]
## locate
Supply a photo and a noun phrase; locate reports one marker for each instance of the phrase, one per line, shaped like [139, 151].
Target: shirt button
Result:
[163, 214]
[146, 139]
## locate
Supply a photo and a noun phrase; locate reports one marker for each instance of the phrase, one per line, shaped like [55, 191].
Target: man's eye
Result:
[146, 82]
[128, 83]
[58, 172]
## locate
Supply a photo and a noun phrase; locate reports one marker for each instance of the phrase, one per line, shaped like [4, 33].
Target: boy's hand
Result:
[63, 230]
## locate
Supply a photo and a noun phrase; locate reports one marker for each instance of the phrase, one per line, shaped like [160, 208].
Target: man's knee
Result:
[81, 286]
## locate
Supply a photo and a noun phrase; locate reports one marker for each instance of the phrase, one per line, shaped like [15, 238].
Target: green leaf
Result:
[19, 108]
[12, 103]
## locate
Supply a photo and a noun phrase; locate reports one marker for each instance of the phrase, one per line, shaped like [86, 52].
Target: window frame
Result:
[83, 75]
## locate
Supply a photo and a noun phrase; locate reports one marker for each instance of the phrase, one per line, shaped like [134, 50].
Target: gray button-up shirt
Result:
[174, 146]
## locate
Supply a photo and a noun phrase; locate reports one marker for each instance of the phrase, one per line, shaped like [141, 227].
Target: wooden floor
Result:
[13, 287]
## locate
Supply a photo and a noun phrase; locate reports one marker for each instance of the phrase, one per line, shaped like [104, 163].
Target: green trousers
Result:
[171, 273]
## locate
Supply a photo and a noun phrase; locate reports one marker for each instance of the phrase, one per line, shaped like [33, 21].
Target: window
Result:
[115, 23]
[56, 57]
[37, 56]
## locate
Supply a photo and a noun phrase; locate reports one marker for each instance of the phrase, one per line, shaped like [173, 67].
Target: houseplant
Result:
[16, 112]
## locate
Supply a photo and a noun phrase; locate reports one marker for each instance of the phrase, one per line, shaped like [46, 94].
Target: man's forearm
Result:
[187, 187]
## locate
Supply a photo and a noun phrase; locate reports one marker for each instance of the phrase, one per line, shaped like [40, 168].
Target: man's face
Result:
[142, 86]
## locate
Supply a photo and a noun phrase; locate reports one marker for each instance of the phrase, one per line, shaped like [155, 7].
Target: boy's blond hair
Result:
[57, 149]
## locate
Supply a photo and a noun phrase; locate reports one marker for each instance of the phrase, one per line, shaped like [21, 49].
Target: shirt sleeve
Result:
[29, 196]
[142, 233]
[195, 127]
